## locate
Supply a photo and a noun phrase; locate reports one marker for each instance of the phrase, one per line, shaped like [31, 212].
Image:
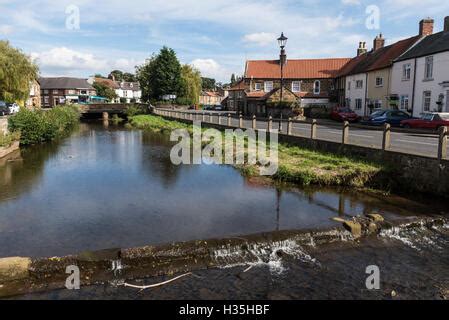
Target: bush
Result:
[40, 126]
[135, 110]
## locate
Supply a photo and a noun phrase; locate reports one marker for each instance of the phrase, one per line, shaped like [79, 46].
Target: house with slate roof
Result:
[61, 90]
[420, 77]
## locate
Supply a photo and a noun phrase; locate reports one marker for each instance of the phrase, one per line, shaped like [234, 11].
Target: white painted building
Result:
[421, 75]
[356, 92]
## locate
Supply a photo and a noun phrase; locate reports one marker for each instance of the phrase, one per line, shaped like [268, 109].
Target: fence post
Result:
[313, 130]
[345, 135]
[386, 141]
[229, 119]
[270, 124]
[240, 121]
[442, 144]
[289, 126]
[254, 126]
[191, 116]
[219, 119]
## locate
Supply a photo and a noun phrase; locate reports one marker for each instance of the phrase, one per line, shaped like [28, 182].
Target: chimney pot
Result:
[426, 27]
[379, 42]
[446, 24]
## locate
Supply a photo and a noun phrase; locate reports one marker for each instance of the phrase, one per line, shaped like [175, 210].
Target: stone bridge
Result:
[108, 108]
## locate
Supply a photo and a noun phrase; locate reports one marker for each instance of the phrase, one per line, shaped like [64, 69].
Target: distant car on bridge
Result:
[431, 121]
[393, 117]
[4, 110]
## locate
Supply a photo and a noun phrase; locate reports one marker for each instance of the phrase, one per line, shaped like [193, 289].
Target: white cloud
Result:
[5, 30]
[261, 38]
[351, 2]
[211, 69]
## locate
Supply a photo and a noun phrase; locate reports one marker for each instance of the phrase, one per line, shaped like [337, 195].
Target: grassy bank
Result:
[6, 140]
[40, 126]
[296, 165]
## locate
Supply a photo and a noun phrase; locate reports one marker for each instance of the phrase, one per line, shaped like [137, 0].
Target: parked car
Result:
[218, 108]
[431, 121]
[4, 110]
[13, 108]
[393, 117]
[344, 114]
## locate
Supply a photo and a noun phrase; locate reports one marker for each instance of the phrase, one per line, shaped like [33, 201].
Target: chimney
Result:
[362, 49]
[446, 24]
[378, 43]
[426, 27]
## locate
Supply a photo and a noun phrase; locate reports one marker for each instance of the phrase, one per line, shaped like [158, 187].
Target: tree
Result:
[233, 80]
[208, 83]
[160, 75]
[191, 84]
[17, 71]
[117, 74]
[129, 77]
[104, 91]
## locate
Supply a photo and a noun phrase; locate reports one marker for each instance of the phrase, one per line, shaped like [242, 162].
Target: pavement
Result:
[422, 143]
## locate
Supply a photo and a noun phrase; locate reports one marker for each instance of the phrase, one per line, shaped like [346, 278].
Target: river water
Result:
[106, 187]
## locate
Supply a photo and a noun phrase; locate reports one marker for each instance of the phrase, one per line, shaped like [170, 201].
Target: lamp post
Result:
[282, 40]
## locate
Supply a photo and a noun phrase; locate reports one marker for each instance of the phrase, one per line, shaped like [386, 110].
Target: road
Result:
[424, 144]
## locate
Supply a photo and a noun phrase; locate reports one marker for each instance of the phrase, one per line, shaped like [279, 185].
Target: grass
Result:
[6, 140]
[296, 164]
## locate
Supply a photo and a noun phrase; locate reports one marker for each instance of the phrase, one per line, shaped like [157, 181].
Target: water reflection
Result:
[105, 186]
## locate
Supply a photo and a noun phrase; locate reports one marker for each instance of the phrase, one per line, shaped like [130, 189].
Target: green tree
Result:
[233, 80]
[105, 91]
[118, 75]
[208, 83]
[191, 84]
[129, 77]
[17, 71]
[160, 75]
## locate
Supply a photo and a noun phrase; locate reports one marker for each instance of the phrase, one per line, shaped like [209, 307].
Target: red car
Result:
[344, 114]
[431, 121]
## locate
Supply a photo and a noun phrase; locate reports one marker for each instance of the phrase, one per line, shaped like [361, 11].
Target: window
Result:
[231, 104]
[296, 86]
[358, 104]
[406, 71]
[46, 100]
[349, 86]
[378, 104]
[404, 102]
[359, 84]
[348, 102]
[317, 87]
[427, 99]
[45, 91]
[240, 94]
[55, 91]
[258, 86]
[268, 86]
[379, 82]
[428, 68]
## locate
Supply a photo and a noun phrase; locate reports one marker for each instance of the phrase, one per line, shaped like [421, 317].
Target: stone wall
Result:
[3, 125]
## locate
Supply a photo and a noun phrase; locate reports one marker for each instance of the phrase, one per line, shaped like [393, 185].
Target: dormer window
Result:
[258, 86]
[268, 86]
[317, 87]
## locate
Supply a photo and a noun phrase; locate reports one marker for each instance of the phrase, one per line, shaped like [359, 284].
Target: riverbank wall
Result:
[409, 173]
[23, 275]
[3, 125]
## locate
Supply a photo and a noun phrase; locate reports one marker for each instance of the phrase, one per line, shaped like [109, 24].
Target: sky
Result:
[80, 38]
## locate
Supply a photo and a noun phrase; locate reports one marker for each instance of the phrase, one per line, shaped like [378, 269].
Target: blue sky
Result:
[217, 36]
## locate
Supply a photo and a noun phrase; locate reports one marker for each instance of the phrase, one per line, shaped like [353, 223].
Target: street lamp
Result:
[282, 40]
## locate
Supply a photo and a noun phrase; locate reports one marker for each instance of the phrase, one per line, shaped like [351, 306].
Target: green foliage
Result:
[16, 73]
[190, 85]
[104, 91]
[135, 110]
[123, 76]
[160, 75]
[40, 126]
[208, 83]
[6, 140]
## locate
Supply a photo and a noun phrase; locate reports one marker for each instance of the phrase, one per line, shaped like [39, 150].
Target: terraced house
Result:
[307, 82]
[420, 78]
[368, 80]
[55, 91]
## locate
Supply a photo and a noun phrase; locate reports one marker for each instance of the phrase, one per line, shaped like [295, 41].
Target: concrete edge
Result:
[22, 275]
